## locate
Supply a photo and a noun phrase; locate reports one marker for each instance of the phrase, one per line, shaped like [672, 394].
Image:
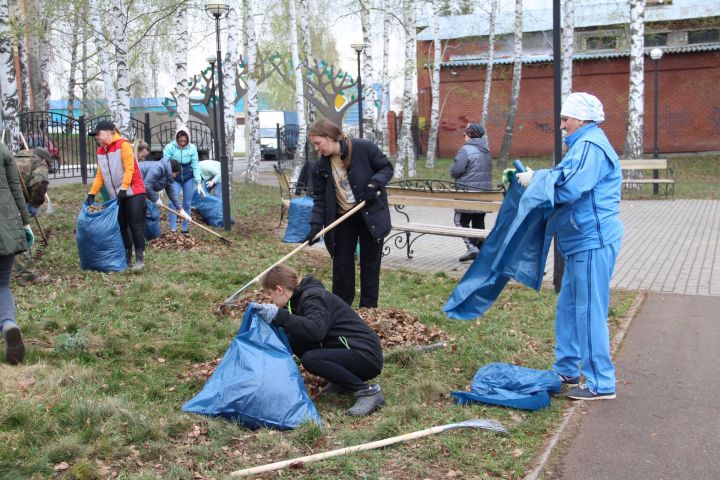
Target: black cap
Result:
[102, 125]
[475, 130]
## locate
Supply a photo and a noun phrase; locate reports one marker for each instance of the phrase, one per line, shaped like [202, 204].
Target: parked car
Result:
[38, 140]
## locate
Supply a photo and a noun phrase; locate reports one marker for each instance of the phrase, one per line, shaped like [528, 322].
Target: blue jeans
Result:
[7, 301]
[581, 329]
[187, 188]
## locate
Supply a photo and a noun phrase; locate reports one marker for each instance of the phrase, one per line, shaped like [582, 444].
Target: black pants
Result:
[131, 216]
[347, 235]
[465, 220]
[344, 367]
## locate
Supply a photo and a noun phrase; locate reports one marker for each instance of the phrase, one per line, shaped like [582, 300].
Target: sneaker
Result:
[584, 393]
[14, 347]
[471, 254]
[185, 232]
[569, 381]
[368, 400]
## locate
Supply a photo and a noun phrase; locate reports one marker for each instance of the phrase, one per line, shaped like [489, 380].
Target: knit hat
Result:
[474, 130]
[583, 106]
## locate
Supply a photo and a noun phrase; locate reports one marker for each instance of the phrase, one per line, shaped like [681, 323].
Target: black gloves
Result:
[90, 199]
[122, 194]
[372, 192]
[314, 230]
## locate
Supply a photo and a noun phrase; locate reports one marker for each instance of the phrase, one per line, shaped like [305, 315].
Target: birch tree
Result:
[21, 45]
[634, 139]
[406, 152]
[231, 64]
[567, 47]
[39, 52]
[368, 92]
[182, 108]
[9, 100]
[101, 45]
[385, 88]
[306, 40]
[253, 118]
[122, 107]
[515, 88]
[434, 86]
[73, 73]
[490, 62]
[299, 159]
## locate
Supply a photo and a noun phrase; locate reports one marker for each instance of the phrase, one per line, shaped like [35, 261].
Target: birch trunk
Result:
[299, 160]
[406, 151]
[435, 87]
[182, 99]
[101, 45]
[368, 92]
[515, 88]
[303, 15]
[84, 67]
[567, 46]
[73, 75]
[230, 68]
[9, 100]
[33, 43]
[44, 57]
[122, 111]
[22, 50]
[490, 63]
[384, 91]
[634, 139]
[253, 120]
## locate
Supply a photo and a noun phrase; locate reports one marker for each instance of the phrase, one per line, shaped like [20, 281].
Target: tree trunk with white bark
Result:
[368, 92]
[515, 88]
[384, 92]
[9, 99]
[303, 15]
[406, 151]
[122, 111]
[634, 139]
[253, 120]
[22, 52]
[567, 46]
[101, 45]
[299, 159]
[435, 87]
[182, 98]
[489, 66]
[230, 69]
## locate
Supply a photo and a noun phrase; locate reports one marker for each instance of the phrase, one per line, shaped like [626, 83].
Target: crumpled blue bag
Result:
[511, 386]
[299, 215]
[257, 382]
[99, 241]
[152, 222]
[209, 207]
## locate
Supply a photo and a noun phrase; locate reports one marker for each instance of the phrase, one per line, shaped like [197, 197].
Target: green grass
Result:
[105, 374]
[696, 176]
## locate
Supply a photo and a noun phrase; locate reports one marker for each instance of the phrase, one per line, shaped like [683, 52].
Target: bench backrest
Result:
[461, 200]
[644, 164]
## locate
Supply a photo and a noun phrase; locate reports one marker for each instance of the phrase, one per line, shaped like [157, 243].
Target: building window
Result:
[601, 43]
[656, 39]
[709, 35]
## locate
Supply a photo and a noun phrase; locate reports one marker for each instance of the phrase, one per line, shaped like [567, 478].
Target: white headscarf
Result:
[583, 106]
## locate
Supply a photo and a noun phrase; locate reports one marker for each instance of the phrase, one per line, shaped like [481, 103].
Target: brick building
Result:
[688, 32]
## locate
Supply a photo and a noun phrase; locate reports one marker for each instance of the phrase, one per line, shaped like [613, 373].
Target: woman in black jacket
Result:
[349, 171]
[329, 337]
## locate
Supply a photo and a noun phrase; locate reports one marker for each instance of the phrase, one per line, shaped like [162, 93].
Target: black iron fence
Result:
[200, 134]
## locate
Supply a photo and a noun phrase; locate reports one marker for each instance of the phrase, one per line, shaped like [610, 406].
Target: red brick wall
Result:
[688, 115]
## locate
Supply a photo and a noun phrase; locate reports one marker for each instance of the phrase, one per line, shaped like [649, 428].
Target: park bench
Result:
[656, 180]
[288, 191]
[436, 194]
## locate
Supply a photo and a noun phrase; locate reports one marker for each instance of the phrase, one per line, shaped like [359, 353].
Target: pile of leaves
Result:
[236, 309]
[175, 241]
[398, 328]
[95, 208]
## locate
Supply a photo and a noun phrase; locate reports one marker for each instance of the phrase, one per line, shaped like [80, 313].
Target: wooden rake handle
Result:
[197, 224]
[322, 232]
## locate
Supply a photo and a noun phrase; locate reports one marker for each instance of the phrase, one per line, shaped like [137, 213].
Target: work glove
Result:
[372, 192]
[184, 215]
[210, 185]
[29, 235]
[525, 178]
[267, 311]
[508, 175]
[201, 190]
[159, 202]
[314, 230]
[122, 194]
[90, 199]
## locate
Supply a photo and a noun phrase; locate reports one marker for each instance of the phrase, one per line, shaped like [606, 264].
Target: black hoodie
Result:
[320, 319]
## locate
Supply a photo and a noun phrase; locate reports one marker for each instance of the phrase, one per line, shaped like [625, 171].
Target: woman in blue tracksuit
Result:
[189, 177]
[589, 233]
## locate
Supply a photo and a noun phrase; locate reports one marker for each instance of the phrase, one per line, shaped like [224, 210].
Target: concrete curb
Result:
[550, 444]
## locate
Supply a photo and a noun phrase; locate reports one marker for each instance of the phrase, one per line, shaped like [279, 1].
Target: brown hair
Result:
[280, 276]
[326, 128]
[142, 146]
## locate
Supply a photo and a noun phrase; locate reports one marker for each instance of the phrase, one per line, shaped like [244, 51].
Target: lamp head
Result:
[358, 47]
[211, 59]
[656, 53]
[216, 8]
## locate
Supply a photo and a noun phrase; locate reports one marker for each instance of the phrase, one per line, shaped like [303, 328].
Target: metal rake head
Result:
[483, 423]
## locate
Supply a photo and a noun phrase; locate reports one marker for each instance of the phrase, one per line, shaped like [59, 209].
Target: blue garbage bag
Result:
[99, 241]
[257, 382]
[209, 207]
[152, 222]
[511, 386]
[298, 219]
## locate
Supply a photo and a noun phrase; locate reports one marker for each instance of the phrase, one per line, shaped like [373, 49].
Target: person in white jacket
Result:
[210, 173]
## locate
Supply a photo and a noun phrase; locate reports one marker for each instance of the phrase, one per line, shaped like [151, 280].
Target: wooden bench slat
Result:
[442, 230]
[644, 164]
[446, 194]
[445, 203]
[648, 180]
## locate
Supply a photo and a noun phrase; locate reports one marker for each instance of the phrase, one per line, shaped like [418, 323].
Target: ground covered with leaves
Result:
[112, 358]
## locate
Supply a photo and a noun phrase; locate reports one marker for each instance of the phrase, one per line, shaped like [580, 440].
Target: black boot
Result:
[128, 257]
[139, 257]
[368, 400]
[471, 253]
[14, 347]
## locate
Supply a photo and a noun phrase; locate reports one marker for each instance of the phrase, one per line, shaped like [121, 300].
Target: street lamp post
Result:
[359, 47]
[656, 54]
[218, 9]
[216, 133]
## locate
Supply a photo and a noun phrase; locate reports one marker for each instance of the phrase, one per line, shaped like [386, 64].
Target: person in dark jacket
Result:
[328, 336]
[472, 167]
[159, 176]
[15, 236]
[349, 171]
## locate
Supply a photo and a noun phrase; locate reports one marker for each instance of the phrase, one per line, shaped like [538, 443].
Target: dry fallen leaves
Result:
[175, 241]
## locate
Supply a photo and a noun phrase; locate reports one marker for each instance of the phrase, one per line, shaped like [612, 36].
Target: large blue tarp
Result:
[257, 382]
[152, 222]
[299, 215]
[511, 386]
[516, 248]
[99, 241]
